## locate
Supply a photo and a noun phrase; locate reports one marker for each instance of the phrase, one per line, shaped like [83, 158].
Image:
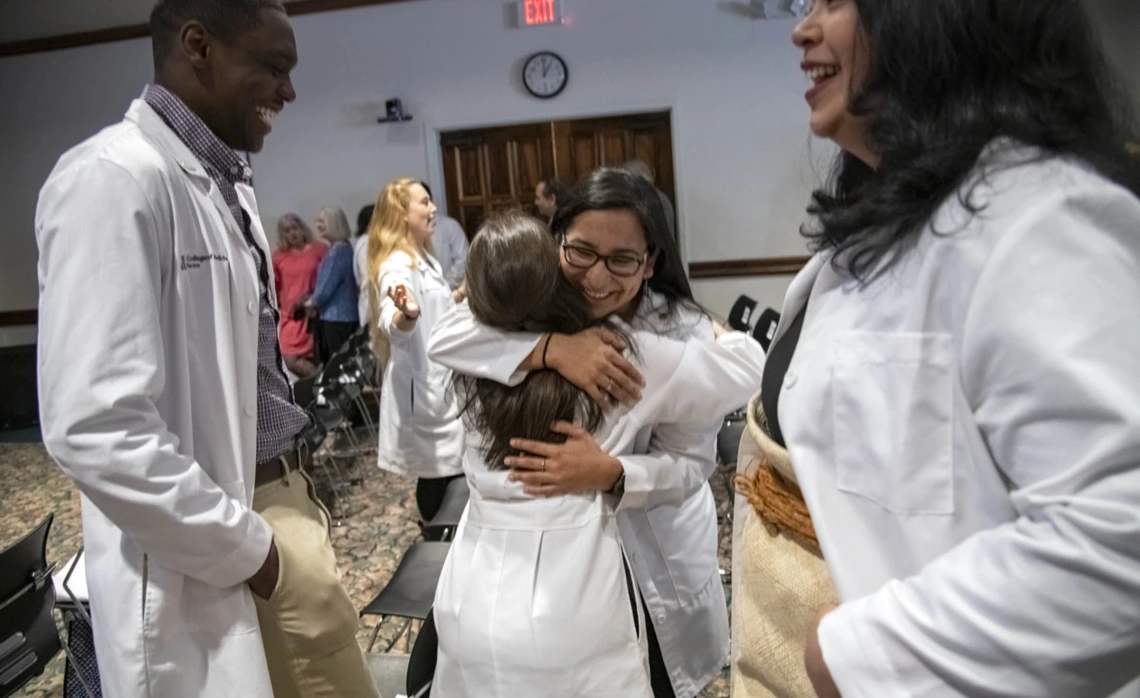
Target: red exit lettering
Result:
[539, 11]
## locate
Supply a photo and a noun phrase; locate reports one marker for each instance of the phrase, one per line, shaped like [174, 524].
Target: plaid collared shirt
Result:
[279, 419]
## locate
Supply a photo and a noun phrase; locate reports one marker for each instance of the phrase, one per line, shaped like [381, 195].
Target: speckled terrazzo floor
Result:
[379, 527]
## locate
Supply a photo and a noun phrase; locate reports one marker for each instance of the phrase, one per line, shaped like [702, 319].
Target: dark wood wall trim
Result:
[766, 266]
[305, 7]
[138, 31]
[18, 318]
[64, 41]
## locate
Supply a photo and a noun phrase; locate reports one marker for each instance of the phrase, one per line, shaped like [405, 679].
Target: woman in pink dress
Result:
[295, 263]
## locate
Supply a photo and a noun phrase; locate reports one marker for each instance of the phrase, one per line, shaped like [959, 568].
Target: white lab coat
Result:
[534, 599]
[360, 274]
[421, 433]
[667, 516]
[148, 399]
[966, 432]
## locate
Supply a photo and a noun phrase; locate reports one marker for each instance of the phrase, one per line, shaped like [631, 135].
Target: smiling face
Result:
[421, 214]
[614, 233]
[321, 225]
[250, 80]
[291, 234]
[828, 36]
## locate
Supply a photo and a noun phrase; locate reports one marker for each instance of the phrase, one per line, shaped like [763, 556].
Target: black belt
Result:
[277, 468]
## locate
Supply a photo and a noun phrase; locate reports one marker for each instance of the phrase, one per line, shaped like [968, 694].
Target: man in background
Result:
[360, 261]
[643, 170]
[450, 244]
[546, 195]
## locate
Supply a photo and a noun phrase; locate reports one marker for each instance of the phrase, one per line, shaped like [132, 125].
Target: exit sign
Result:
[537, 13]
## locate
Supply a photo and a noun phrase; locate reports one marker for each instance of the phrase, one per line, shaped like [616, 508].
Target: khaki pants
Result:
[309, 624]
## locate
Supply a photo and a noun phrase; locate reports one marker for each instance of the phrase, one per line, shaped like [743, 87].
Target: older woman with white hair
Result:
[334, 298]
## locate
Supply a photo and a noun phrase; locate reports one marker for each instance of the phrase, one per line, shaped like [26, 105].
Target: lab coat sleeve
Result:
[458, 242]
[680, 460]
[393, 272]
[101, 371]
[711, 379]
[1045, 605]
[463, 344]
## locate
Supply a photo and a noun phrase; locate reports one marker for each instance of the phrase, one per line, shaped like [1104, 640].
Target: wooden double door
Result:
[492, 169]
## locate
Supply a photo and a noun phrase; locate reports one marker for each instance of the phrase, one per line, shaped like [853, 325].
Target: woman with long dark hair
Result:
[615, 248]
[535, 599]
[955, 376]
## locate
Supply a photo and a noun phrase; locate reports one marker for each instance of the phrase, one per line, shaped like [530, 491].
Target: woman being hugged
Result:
[615, 248]
[535, 598]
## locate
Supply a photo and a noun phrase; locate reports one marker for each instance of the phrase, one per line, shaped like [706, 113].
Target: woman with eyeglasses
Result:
[616, 250]
[535, 599]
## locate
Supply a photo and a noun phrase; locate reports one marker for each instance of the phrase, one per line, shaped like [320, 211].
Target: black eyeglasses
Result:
[620, 264]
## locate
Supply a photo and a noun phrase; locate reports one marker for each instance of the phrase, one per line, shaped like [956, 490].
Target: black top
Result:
[775, 367]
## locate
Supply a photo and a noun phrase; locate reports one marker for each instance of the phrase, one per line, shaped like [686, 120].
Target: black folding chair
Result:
[740, 317]
[421, 665]
[443, 524]
[765, 330]
[411, 591]
[330, 419]
[29, 638]
[409, 674]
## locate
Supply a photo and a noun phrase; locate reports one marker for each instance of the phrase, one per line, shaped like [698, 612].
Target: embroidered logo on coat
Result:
[195, 261]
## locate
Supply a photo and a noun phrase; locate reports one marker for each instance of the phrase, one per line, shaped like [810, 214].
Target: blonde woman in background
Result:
[420, 431]
[334, 298]
[295, 264]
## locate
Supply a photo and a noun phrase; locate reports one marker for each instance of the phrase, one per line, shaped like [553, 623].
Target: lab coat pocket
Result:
[216, 611]
[219, 611]
[433, 401]
[892, 408]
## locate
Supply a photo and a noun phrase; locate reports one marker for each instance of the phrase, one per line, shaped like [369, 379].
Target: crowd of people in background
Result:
[312, 283]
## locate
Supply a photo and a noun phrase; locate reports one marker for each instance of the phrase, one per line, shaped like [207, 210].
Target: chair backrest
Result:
[28, 636]
[739, 318]
[333, 368]
[765, 330]
[304, 391]
[359, 338]
[728, 439]
[421, 664]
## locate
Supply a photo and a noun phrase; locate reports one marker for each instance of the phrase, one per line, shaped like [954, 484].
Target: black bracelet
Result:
[546, 346]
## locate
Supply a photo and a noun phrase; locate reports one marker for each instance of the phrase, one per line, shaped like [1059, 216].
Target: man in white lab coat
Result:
[162, 389]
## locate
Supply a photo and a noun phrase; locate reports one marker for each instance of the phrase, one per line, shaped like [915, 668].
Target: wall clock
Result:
[545, 74]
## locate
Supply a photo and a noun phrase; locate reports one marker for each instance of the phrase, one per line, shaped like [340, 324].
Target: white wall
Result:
[740, 135]
[50, 102]
[744, 159]
[733, 84]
